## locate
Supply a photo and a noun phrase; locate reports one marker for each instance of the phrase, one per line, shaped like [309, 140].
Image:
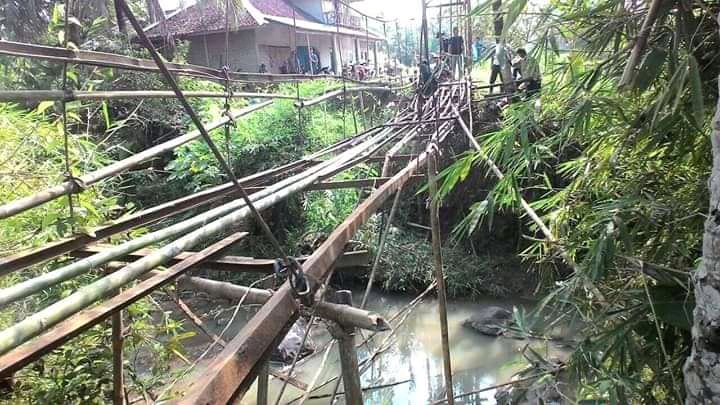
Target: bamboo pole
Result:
[345, 336]
[439, 276]
[20, 96]
[381, 247]
[640, 42]
[262, 384]
[436, 248]
[83, 320]
[530, 212]
[23, 204]
[282, 188]
[117, 349]
[24, 259]
[344, 314]
[34, 324]
[103, 59]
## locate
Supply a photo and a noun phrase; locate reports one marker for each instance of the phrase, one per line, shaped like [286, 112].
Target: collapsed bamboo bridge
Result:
[407, 148]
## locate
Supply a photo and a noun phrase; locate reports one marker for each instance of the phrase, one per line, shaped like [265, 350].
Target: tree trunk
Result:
[702, 368]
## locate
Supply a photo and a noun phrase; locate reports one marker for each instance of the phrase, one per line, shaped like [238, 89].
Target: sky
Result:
[403, 10]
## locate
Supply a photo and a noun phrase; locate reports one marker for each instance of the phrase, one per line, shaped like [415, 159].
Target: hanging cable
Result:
[292, 264]
[342, 66]
[228, 89]
[66, 140]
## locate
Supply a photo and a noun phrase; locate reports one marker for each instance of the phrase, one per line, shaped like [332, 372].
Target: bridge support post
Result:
[117, 359]
[348, 356]
[262, 384]
[439, 275]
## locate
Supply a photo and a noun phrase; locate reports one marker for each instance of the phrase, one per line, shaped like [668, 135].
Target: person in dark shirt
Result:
[529, 71]
[457, 46]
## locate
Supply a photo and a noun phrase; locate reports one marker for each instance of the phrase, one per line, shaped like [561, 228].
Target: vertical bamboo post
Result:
[348, 356]
[117, 351]
[424, 32]
[310, 54]
[362, 111]
[437, 259]
[262, 384]
[397, 51]
[468, 38]
[116, 328]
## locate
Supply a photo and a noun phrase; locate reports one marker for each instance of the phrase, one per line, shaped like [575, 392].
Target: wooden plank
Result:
[83, 320]
[348, 261]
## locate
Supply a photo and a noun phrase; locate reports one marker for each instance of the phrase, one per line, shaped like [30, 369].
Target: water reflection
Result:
[478, 361]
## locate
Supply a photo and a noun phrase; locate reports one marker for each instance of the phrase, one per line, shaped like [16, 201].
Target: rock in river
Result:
[491, 321]
[291, 344]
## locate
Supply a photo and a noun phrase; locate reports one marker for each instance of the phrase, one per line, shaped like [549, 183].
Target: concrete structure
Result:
[266, 32]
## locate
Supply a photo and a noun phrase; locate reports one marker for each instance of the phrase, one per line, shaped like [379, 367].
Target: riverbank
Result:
[406, 266]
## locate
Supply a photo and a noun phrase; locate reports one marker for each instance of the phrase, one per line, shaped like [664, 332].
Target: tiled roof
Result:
[208, 17]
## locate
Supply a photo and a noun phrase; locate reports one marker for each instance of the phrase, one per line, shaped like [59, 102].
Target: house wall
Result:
[271, 45]
[243, 53]
[273, 38]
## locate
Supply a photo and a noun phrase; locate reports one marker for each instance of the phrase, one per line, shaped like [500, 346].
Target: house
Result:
[264, 34]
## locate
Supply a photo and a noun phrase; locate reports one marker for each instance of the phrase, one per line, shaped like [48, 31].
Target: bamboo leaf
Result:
[44, 105]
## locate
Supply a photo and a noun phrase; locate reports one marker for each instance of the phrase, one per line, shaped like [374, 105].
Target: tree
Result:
[24, 21]
[702, 369]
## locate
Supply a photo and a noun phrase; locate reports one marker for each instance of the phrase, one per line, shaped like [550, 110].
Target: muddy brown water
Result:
[414, 360]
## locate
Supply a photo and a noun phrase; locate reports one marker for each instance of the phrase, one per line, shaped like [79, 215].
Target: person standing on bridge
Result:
[499, 59]
[529, 71]
[479, 49]
[457, 47]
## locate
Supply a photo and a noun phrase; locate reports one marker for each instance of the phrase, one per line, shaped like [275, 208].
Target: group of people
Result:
[524, 68]
[306, 62]
[454, 48]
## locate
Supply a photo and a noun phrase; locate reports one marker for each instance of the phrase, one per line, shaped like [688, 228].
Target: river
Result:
[414, 361]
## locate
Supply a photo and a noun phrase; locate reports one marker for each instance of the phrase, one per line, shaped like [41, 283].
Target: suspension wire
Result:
[341, 67]
[381, 247]
[228, 89]
[66, 138]
[299, 130]
[344, 107]
[352, 109]
[298, 280]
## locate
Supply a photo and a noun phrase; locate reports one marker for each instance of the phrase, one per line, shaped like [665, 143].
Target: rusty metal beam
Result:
[110, 60]
[25, 96]
[83, 320]
[231, 372]
[238, 264]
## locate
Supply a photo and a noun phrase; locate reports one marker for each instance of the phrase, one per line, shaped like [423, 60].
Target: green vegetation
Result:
[618, 172]
[619, 175]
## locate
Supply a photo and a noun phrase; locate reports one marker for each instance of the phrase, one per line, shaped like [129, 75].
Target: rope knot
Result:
[299, 282]
[77, 185]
